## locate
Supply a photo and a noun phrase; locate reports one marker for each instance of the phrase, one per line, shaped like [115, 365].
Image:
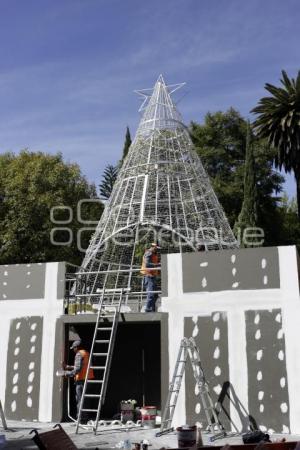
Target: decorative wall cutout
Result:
[23, 369]
[267, 375]
[211, 336]
[22, 281]
[236, 269]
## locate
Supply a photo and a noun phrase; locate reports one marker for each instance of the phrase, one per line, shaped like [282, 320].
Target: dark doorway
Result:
[136, 367]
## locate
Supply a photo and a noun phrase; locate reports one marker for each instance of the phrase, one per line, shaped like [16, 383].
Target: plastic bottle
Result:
[127, 442]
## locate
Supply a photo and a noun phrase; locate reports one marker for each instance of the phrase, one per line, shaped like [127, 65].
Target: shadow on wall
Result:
[248, 422]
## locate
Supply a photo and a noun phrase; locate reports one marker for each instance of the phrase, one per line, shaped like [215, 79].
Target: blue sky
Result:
[68, 68]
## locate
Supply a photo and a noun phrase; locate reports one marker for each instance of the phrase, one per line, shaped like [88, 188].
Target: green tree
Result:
[31, 184]
[108, 180]
[290, 223]
[127, 144]
[278, 120]
[220, 142]
[248, 215]
[110, 173]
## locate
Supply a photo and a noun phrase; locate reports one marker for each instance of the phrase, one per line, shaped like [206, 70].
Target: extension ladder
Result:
[189, 349]
[101, 353]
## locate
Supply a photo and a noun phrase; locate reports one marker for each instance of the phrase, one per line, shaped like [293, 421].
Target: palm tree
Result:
[278, 120]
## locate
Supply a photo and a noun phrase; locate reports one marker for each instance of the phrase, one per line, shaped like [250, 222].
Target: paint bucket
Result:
[72, 307]
[148, 416]
[126, 412]
[186, 436]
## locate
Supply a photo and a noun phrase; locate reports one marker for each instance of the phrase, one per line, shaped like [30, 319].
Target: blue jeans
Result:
[150, 285]
[78, 394]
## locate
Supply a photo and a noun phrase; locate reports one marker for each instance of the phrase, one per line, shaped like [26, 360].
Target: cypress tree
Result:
[127, 143]
[248, 215]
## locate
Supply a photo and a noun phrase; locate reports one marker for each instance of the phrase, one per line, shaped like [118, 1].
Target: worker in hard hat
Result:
[150, 263]
[78, 371]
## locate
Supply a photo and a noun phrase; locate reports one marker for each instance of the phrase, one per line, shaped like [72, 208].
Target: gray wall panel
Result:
[211, 336]
[164, 275]
[22, 281]
[23, 368]
[267, 376]
[61, 272]
[256, 268]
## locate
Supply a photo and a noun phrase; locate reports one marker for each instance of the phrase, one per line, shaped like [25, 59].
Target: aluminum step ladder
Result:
[188, 349]
[101, 353]
[3, 419]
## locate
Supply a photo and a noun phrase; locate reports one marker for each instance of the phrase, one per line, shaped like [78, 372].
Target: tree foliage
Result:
[290, 222]
[127, 144]
[30, 185]
[248, 215]
[221, 144]
[110, 173]
[278, 120]
[109, 177]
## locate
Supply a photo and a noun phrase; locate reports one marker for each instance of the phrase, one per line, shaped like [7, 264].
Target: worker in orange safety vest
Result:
[78, 371]
[150, 261]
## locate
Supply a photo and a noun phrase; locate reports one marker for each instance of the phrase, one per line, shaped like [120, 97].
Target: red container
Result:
[148, 416]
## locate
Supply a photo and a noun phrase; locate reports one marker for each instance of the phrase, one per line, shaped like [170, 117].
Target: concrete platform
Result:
[18, 437]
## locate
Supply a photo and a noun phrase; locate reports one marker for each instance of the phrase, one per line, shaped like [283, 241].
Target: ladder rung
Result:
[89, 410]
[104, 328]
[99, 354]
[97, 367]
[217, 436]
[160, 433]
[94, 381]
[92, 395]
[101, 341]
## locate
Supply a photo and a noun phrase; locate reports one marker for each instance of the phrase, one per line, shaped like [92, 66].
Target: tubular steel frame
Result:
[162, 194]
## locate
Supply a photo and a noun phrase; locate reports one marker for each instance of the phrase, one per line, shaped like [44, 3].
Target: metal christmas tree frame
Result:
[162, 194]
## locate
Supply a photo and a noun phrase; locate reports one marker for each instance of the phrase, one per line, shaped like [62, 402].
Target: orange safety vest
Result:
[146, 271]
[80, 376]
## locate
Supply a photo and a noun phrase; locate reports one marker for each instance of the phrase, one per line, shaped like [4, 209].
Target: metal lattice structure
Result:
[162, 194]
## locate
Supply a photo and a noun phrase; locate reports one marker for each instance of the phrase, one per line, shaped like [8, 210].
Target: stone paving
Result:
[18, 437]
